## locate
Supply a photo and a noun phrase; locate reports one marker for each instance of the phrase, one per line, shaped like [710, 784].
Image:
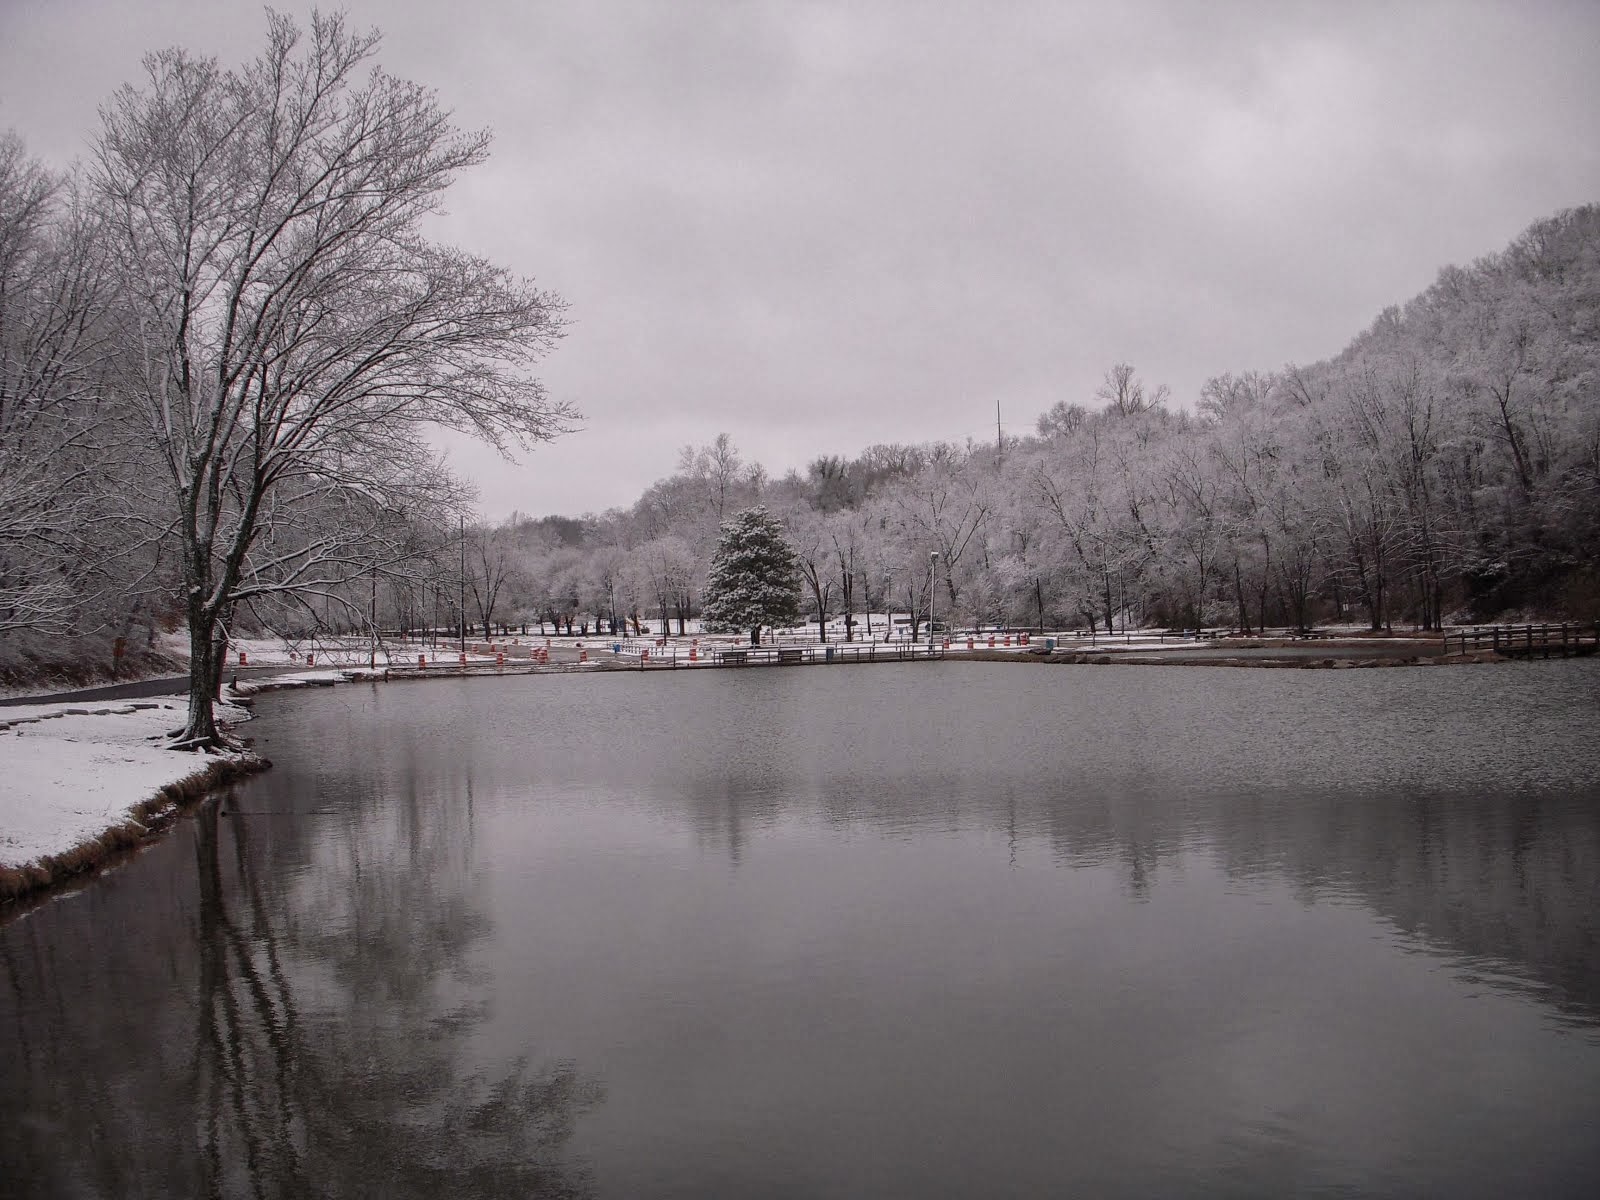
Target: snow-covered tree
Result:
[288, 326]
[53, 414]
[752, 581]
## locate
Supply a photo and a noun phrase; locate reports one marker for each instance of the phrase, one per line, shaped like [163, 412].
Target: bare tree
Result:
[1123, 392]
[290, 325]
[491, 568]
[811, 538]
[718, 468]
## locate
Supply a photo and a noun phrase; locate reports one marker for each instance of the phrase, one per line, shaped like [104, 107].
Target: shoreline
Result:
[65, 821]
[48, 870]
[1260, 653]
[85, 742]
[143, 824]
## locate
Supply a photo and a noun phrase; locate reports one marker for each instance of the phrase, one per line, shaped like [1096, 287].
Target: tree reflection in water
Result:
[328, 1048]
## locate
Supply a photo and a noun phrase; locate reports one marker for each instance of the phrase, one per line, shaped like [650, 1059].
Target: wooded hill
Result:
[1445, 467]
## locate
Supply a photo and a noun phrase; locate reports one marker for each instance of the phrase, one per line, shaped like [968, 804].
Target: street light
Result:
[933, 594]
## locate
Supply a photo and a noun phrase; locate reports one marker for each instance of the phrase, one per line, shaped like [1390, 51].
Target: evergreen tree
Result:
[752, 581]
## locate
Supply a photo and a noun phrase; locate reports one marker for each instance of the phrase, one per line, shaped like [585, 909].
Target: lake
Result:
[923, 929]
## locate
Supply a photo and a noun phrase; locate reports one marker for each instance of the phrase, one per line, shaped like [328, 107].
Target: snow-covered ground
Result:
[336, 652]
[72, 771]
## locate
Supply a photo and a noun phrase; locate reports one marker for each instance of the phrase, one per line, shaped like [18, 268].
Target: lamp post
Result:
[933, 594]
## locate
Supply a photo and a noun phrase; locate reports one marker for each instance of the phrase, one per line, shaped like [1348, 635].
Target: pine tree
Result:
[752, 581]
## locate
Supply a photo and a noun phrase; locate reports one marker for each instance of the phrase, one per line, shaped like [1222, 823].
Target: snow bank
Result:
[73, 772]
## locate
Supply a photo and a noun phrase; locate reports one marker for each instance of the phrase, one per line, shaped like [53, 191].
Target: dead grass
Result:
[33, 663]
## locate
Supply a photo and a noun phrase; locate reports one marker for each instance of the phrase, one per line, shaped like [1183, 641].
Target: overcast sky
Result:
[816, 226]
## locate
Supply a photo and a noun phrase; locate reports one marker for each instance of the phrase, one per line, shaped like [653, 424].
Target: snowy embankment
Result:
[86, 779]
[83, 781]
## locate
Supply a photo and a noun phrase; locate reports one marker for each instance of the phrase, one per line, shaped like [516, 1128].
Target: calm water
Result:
[914, 930]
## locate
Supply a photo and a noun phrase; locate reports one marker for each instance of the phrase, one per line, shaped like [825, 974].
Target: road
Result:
[172, 685]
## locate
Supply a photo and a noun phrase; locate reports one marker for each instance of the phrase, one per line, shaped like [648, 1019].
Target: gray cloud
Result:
[817, 226]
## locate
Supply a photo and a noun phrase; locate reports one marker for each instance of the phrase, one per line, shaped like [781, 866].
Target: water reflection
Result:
[292, 1015]
[901, 931]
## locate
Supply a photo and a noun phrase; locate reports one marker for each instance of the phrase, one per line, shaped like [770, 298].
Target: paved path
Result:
[171, 685]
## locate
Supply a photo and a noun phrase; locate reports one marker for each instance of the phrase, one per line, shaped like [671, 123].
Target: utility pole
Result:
[999, 438]
[463, 584]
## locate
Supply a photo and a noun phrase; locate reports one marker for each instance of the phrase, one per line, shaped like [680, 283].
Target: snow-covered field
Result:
[72, 771]
[333, 652]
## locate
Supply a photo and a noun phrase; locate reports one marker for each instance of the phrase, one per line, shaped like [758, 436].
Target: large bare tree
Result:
[288, 327]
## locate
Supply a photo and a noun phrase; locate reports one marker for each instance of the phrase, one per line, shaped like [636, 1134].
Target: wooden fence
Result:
[1526, 641]
[785, 656]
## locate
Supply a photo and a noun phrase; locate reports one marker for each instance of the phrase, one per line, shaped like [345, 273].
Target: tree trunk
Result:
[200, 731]
[219, 663]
